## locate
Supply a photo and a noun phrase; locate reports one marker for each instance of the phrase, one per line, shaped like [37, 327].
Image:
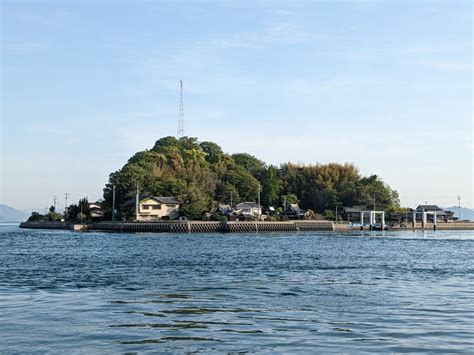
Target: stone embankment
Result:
[213, 227]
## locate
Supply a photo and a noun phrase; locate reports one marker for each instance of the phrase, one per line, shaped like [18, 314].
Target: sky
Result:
[386, 85]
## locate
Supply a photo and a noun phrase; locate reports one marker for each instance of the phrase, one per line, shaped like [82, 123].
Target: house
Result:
[249, 210]
[352, 214]
[293, 212]
[152, 208]
[96, 212]
[441, 215]
[224, 209]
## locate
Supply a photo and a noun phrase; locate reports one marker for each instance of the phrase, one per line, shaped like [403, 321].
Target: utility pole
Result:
[137, 203]
[374, 202]
[459, 208]
[65, 206]
[54, 203]
[231, 199]
[284, 203]
[113, 203]
[336, 211]
[181, 111]
[259, 207]
[82, 213]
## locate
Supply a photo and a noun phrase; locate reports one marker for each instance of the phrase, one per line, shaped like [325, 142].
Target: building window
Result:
[157, 207]
[145, 207]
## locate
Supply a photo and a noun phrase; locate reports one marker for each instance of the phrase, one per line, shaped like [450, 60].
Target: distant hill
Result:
[9, 214]
[466, 213]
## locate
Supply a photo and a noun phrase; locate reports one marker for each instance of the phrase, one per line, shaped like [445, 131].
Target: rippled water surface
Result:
[94, 292]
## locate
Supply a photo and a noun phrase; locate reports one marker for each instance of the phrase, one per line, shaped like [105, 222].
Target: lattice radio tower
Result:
[181, 111]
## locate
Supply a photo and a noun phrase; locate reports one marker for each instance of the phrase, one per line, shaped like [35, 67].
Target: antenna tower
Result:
[181, 111]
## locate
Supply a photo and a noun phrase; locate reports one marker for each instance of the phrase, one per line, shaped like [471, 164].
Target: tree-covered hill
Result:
[201, 174]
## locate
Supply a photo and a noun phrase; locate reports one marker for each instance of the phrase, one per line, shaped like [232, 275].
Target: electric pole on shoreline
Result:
[459, 208]
[181, 111]
[259, 207]
[137, 203]
[66, 194]
[54, 203]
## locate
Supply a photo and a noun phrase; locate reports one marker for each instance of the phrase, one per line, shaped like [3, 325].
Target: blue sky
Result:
[386, 85]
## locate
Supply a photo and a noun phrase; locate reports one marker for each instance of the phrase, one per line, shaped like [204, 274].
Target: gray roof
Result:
[294, 207]
[354, 209]
[429, 208]
[165, 200]
[246, 204]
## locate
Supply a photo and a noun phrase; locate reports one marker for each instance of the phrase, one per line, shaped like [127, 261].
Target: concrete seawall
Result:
[229, 227]
[439, 226]
[47, 225]
[53, 225]
[213, 227]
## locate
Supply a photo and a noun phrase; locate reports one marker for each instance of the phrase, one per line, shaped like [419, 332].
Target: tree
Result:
[244, 182]
[84, 208]
[286, 200]
[271, 186]
[201, 174]
[253, 165]
[36, 217]
[213, 152]
[72, 212]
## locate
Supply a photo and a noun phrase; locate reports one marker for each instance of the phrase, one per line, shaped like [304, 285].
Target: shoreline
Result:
[229, 227]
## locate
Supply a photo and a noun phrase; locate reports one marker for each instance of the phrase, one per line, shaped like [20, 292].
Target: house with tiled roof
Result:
[151, 208]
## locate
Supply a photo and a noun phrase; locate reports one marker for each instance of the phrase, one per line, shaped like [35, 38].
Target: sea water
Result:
[64, 291]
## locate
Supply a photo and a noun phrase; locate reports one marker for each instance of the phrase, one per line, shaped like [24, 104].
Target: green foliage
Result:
[201, 174]
[329, 215]
[55, 217]
[50, 216]
[36, 217]
[83, 205]
[289, 199]
[81, 217]
[72, 212]
[271, 186]
[249, 163]
[213, 152]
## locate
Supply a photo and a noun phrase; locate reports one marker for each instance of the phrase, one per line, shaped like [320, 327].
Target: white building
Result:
[152, 208]
[248, 209]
